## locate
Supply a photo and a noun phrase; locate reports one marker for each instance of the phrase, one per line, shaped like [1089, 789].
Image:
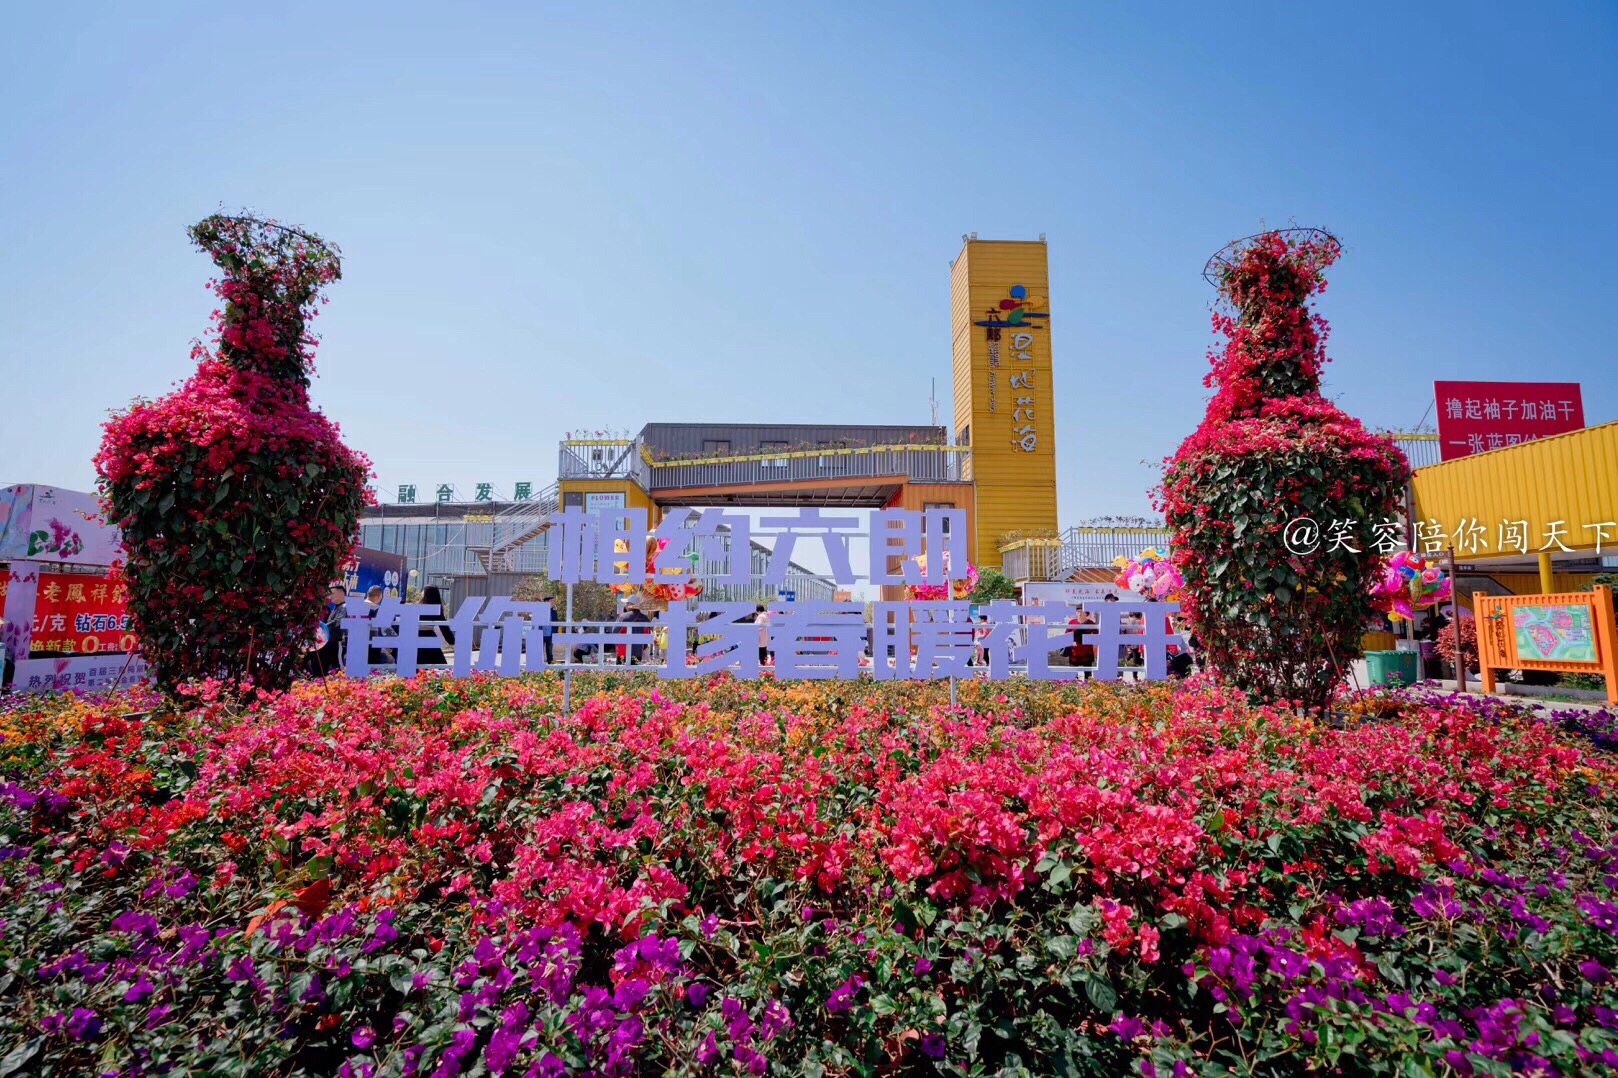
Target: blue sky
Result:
[579, 216]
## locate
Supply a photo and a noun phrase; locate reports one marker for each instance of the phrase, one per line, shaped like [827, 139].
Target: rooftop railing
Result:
[918, 463]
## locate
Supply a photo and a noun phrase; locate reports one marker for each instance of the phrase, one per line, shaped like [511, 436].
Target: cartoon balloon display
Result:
[950, 589]
[1409, 582]
[668, 585]
[1150, 573]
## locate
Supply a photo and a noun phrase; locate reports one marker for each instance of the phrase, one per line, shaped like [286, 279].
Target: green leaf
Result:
[14, 1059]
[1063, 947]
[1100, 993]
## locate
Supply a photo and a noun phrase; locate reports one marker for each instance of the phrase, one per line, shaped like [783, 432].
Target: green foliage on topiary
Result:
[992, 585]
[237, 500]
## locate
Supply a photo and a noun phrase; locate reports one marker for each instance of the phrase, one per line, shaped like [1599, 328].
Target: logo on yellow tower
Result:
[1016, 311]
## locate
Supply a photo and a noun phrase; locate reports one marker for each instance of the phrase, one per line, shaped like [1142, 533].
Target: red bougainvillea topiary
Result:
[237, 500]
[1278, 619]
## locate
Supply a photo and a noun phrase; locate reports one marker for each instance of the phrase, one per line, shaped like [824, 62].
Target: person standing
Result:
[548, 632]
[761, 618]
[438, 626]
[330, 655]
[632, 616]
[375, 656]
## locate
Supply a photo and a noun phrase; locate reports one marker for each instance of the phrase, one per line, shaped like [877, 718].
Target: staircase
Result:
[516, 524]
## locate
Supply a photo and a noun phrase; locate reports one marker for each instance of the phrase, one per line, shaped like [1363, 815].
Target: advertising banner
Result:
[1475, 417]
[375, 567]
[80, 614]
[84, 673]
[1048, 592]
[47, 524]
[597, 502]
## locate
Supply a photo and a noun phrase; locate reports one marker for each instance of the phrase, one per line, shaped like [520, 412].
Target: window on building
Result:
[965, 435]
[716, 447]
[940, 505]
[771, 447]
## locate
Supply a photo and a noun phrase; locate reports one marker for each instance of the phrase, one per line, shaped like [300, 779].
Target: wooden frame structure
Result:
[1497, 624]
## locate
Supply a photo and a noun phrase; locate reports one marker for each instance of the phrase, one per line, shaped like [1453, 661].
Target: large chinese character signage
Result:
[1001, 324]
[1474, 417]
[796, 637]
[78, 614]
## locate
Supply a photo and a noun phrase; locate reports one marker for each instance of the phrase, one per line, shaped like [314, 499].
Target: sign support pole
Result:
[1455, 622]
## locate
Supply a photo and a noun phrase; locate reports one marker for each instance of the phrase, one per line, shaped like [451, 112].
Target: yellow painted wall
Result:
[1015, 490]
[1571, 478]
[634, 496]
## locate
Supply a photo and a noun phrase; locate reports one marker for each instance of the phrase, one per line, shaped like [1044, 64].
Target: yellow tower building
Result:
[1004, 396]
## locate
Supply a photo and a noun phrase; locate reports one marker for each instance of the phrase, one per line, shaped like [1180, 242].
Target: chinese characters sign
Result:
[87, 673]
[80, 615]
[814, 640]
[901, 640]
[1474, 417]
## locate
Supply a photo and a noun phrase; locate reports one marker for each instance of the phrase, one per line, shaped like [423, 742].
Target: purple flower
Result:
[139, 990]
[923, 967]
[630, 993]
[842, 997]
[774, 1019]
[709, 925]
[697, 994]
[83, 1024]
[1593, 971]
[549, 1066]
[363, 1037]
[135, 923]
[1601, 914]
[751, 1059]
[1127, 1028]
[1373, 916]
[461, 1045]
[932, 1046]
[708, 1050]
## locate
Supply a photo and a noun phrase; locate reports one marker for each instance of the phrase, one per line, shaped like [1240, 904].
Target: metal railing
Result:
[1421, 450]
[1077, 548]
[600, 458]
[918, 463]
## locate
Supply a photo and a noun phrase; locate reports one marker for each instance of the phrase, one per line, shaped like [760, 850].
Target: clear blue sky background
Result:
[595, 215]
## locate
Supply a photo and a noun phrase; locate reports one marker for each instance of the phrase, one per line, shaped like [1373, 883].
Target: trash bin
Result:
[1391, 667]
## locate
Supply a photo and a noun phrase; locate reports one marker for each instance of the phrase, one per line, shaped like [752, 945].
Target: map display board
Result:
[1559, 633]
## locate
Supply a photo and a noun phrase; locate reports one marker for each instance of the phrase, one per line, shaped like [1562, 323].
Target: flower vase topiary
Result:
[237, 500]
[1279, 612]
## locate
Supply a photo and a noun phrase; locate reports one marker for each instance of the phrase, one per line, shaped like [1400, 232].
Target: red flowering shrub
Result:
[1278, 624]
[237, 500]
[1469, 643]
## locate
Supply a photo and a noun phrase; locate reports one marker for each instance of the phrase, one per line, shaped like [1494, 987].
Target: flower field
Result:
[441, 877]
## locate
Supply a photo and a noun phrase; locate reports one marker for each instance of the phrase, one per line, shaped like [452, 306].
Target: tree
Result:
[237, 499]
[591, 601]
[1277, 616]
[992, 584]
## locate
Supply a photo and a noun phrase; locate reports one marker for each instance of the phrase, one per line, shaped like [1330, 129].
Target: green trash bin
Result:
[1391, 667]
